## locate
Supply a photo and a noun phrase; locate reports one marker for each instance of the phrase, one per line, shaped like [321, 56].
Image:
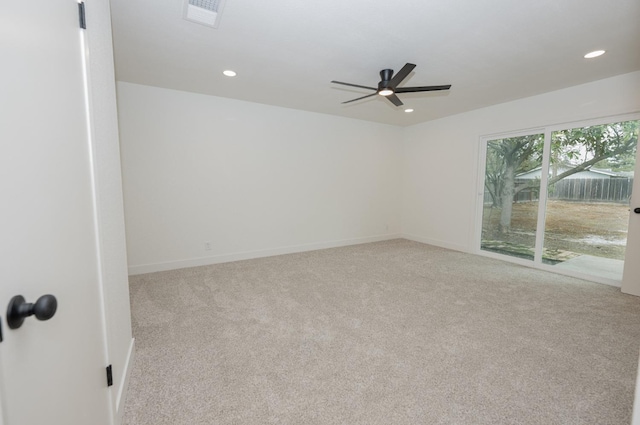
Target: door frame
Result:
[547, 131]
[108, 199]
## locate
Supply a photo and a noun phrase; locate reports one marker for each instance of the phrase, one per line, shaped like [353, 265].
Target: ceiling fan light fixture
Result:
[389, 85]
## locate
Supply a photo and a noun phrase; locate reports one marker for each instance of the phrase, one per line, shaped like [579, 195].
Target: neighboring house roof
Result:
[592, 173]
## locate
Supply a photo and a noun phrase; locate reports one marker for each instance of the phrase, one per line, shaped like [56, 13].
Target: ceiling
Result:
[286, 52]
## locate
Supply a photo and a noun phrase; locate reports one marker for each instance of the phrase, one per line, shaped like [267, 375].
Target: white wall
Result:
[259, 180]
[252, 179]
[440, 158]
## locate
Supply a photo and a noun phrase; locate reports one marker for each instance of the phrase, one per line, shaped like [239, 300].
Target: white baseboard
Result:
[121, 398]
[248, 255]
[435, 242]
[635, 419]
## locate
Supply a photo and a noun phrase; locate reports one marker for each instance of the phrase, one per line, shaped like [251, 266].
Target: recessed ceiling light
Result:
[408, 110]
[594, 54]
[229, 73]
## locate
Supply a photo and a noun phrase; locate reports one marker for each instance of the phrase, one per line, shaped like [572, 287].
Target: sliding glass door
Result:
[560, 197]
[510, 210]
[589, 189]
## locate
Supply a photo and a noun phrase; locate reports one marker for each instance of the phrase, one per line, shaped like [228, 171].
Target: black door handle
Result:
[44, 309]
[636, 210]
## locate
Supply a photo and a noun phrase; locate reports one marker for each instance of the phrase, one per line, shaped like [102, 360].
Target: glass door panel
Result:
[589, 188]
[511, 194]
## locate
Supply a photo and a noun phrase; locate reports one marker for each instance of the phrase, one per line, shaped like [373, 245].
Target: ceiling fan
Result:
[388, 85]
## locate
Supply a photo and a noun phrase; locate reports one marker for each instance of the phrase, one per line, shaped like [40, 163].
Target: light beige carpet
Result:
[394, 332]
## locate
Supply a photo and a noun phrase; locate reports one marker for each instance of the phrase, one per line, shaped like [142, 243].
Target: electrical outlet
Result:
[207, 246]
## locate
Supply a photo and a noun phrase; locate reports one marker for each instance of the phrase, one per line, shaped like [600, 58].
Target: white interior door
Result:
[51, 372]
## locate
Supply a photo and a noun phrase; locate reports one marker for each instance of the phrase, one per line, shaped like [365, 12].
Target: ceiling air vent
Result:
[205, 12]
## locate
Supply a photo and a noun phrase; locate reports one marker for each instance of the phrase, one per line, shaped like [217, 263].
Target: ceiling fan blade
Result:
[363, 97]
[423, 88]
[395, 100]
[402, 74]
[354, 85]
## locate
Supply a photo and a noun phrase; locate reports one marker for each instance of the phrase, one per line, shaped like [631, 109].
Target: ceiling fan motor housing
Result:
[385, 78]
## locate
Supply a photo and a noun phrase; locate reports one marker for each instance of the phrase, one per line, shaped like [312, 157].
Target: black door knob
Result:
[44, 309]
[636, 210]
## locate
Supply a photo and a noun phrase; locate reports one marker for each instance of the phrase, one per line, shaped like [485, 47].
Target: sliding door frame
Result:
[542, 201]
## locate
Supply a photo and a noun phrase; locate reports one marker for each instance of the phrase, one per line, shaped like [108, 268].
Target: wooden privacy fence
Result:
[598, 190]
[616, 189]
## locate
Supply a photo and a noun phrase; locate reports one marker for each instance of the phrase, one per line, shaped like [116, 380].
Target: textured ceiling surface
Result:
[286, 52]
